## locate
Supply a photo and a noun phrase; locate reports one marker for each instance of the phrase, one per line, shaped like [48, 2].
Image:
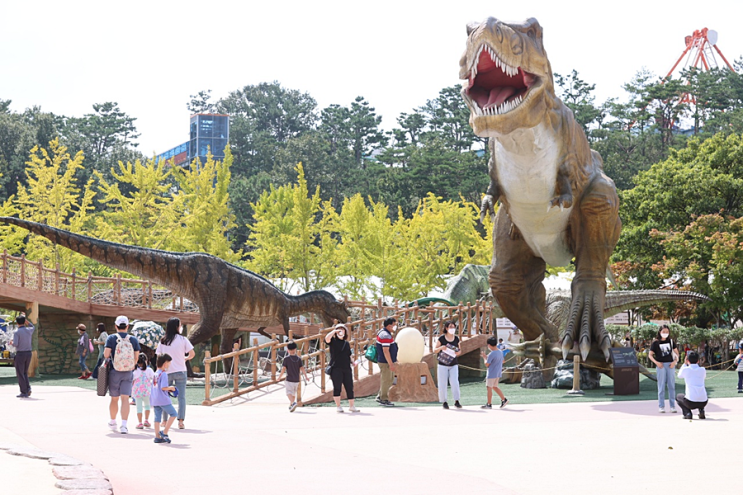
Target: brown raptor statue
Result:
[228, 297]
[557, 203]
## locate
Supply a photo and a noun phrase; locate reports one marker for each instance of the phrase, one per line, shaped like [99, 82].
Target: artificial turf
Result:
[473, 392]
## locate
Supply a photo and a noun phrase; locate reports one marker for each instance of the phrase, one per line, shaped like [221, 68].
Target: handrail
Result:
[362, 332]
[112, 291]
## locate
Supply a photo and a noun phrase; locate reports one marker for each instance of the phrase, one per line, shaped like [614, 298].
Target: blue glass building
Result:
[208, 131]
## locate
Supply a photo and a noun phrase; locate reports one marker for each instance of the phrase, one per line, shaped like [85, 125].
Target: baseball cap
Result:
[122, 320]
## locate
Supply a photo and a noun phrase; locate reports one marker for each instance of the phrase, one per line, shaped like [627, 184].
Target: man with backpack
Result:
[122, 350]
[387, 359]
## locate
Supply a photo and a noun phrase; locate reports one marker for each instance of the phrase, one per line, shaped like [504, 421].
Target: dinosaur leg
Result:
[594, 231]
[228, 336]
[516, 280]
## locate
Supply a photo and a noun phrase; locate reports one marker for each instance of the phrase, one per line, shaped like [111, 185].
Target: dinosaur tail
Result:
[139, 261]
[618, 301]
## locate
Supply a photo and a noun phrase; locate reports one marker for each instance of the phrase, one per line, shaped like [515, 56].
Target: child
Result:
[142, 388]
[160, 399]
[494, 363]
[292, 365]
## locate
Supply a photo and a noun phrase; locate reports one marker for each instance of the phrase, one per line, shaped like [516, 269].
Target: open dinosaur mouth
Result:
[495, 87]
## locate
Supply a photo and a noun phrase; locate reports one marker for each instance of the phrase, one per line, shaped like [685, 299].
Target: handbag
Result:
[371, 353]
[446, 359]
[90, 345]
[102, 383]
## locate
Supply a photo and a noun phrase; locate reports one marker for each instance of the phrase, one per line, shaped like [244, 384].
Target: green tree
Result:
[578, 96]
[52, 196]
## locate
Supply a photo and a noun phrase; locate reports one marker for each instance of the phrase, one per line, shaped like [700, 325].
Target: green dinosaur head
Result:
[509, 77]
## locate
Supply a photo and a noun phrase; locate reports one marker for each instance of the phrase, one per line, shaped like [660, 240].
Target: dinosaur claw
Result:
[585, 348]
[605, 346]
[567, 345]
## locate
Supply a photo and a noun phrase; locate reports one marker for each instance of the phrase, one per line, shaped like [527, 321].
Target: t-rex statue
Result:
[557, 204]
[228, 297]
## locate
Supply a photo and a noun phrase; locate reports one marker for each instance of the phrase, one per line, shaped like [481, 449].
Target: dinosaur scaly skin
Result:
[557, 202]
[228, 296]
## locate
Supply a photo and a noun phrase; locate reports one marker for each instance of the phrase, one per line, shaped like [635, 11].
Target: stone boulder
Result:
[533, 377]
[563, 377]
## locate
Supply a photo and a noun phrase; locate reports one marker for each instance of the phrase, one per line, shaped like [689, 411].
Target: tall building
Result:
[208, 131]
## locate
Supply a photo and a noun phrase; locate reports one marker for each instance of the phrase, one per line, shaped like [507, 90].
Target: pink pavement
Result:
[241, 447]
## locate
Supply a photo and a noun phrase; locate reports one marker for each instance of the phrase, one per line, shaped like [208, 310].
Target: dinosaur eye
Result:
[532, 34]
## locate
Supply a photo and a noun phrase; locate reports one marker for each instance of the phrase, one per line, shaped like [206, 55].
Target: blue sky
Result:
[150, 56]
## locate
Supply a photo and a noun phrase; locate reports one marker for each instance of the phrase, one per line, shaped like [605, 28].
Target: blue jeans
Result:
[448, 374]
[666, 378]
[740, 380]
[179, 380]
[161, 412]
[83, 366]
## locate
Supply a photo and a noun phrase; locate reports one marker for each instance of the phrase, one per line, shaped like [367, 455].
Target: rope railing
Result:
[242, 371]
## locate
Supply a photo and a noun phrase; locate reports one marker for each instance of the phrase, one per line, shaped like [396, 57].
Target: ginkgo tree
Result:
[52, 196]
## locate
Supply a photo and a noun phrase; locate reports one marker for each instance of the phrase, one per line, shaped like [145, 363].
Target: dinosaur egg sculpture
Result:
[410, 345]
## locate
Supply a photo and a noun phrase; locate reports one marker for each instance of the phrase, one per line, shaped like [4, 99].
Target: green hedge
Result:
[683, 335]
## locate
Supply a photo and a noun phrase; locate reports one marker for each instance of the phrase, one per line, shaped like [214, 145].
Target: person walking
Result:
[494, 364]
[22, 342]
[387, 360]
[340, 366]
[100, 341]
[738, 363]
[180, 349]
[448, 366]
[142, 380]
[696, 394]
[664, 354]
[123, 349]
[84, 347]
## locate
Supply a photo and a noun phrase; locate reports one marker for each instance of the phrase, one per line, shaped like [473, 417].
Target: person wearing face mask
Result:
[82, 351]
[180, 350]
[340, 366]
[664, 354]
[448, 367]
[387, 359]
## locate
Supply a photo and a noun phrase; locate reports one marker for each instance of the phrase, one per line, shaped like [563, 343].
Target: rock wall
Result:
[58, 341]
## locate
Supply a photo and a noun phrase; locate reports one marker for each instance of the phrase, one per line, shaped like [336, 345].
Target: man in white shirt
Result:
[696, 395]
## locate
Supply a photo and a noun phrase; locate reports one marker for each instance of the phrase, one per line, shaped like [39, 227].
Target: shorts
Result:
[167, 408]
[291, 388]
[119, 383]
[492, 382]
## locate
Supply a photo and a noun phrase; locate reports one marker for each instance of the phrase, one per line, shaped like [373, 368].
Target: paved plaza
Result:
[259, 447]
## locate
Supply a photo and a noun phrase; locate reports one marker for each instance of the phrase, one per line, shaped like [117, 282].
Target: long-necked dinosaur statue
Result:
[557, 204]
[228, 297]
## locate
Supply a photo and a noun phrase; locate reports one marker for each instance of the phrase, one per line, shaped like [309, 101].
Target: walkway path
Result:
[585, 448]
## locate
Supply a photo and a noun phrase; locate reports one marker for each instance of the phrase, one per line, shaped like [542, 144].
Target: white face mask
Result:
[451, 330]
[394, 328]
[341, 334]
[664, 335]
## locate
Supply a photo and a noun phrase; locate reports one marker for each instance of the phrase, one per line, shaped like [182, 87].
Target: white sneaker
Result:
[661, 410]
[124, 430]
[339, 409]
[673, 409]
[293, 407]
[113, 426]
[353, 409]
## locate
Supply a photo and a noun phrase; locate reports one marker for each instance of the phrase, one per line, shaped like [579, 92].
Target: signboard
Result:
[618, 319]
[623, 357]
[504, 323]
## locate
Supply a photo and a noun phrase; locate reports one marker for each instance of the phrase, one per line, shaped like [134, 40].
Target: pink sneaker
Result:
[147, 424]
[140, 426]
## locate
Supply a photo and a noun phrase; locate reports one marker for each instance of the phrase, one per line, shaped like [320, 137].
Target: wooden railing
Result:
[115, 291]
[471, 320]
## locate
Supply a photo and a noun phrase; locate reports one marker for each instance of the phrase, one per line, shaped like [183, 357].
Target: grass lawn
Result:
[473, 391]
